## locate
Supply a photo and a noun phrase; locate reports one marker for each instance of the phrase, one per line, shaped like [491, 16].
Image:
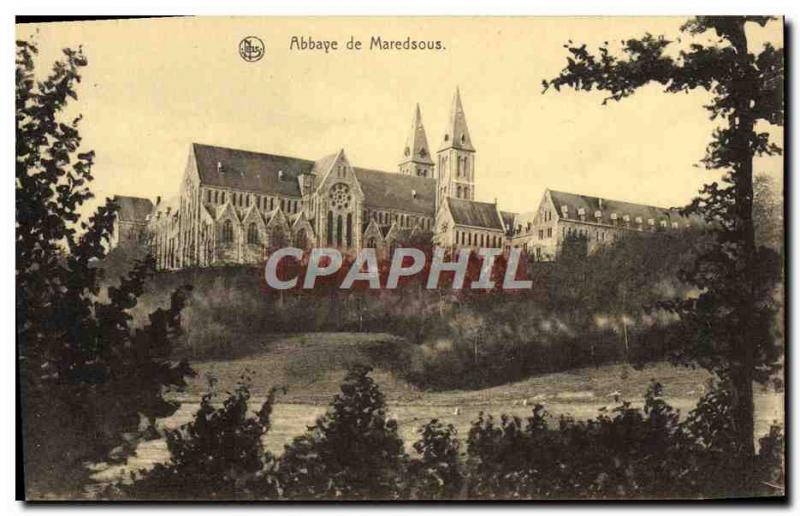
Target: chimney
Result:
[600, 203]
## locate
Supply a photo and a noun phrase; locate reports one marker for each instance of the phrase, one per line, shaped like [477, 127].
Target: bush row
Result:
[354, 452]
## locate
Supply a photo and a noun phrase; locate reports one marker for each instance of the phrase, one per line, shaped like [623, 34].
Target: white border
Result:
[321, 7]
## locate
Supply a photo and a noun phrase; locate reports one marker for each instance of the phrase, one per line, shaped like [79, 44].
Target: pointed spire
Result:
[456, 134]
[416, 148]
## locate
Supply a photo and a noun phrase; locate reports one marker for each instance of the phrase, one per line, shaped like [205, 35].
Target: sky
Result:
[152, 87]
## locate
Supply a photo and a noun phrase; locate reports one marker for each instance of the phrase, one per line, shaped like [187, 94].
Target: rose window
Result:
[340, 196]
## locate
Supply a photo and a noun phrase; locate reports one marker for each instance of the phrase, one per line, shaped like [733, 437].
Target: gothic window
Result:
[458, 192]
[340, 196]
[330, 228]
[208, 195]
[283, 205]
[252, 233]
[349, 235]
[277, 238]
[227, 231]
[339, 231]
[302, 239]
[247, 201]
[371, 243]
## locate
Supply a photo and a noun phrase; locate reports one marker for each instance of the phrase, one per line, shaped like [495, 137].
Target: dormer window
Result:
[407, 152]
[463, 139]
[565, 210]
[413, 194]
[674, 225]
[626, 218]
[582, 213]
[614, 217]
[280, 175]
[651, 222]
[663, 223]
[423, 152]
[446, 137]
[638, 220]
[598, 214]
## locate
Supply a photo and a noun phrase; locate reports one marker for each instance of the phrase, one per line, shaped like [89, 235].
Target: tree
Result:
[353, 452]
[436, 474]
[87, 379]
[217, 456]
[731, 318]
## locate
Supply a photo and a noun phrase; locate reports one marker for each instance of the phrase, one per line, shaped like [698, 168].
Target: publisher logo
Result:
[251, 49]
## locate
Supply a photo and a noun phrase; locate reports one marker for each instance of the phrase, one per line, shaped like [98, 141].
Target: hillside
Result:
[311, 366]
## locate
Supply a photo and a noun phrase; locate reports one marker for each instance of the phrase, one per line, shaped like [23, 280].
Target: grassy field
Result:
[312, 366]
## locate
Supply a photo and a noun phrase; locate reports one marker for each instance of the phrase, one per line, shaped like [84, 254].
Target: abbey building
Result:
[236, 206]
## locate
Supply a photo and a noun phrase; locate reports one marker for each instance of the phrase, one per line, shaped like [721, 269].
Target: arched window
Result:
[330, 228]
[301, 240]
[458, 192]
[371, 243]
[252, 233]
[227, 231]
[349, 235]
[339, 233]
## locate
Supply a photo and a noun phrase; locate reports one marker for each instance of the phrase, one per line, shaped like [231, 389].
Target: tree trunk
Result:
[743, 360]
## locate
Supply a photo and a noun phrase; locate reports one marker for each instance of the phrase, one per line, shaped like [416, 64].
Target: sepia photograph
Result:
[400, 259]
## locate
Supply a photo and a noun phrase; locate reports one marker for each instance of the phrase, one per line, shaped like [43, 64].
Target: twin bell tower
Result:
[454, 168]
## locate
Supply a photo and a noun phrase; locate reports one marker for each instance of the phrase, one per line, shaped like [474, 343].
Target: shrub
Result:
[436, 474]
[217, 456]
[629, 453]
[352, 452]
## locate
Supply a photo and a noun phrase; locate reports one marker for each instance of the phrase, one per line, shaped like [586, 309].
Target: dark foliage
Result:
[626, 453]
[90, 383]
[354, 453]
[351, 453]
[436, 474]
[730, 321]
[218, 456]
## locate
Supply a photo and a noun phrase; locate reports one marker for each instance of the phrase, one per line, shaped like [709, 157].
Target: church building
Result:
[236, 206]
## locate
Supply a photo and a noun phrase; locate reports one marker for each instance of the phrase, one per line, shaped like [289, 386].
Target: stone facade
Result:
[601, 221]
[235, 206]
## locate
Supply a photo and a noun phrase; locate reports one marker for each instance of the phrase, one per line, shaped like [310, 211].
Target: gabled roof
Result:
[456, 134]
[250, 171]
[390, 190]
[475, 213]
[416, 148]
[590, 205]
[132, 209]
[508, 219]
[322, 165]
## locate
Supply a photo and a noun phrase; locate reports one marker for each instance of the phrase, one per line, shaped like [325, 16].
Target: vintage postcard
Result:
[400, 258]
